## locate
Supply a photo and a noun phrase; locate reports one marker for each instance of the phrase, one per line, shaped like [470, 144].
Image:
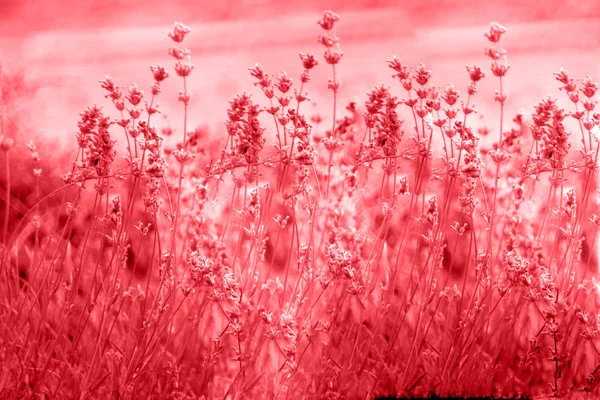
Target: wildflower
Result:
[472, 89]
[328, 20]
[183, 70]
[573, 96]
[134, 293]
[475, 73]
[333, 85]
[134, 95]
[422, 112]
[272, 286]
[562, 76]
[300, 97]
[451, 113]
[284, 101]
[589, 105]
[135, 112]
[338, 261]
[33, 151]
[257, 72]
[185, 97]
[159, 73]
[589, 124]
[244, 125]
[108, 84]
[179, 32]
[499, 70]
[588, 88]
[468, 109]
[422, 93]
[333, 57]
[151, 109]
[570, 206]
[450, 293]
[495, 33]
[283, 83]
[308, 61]
[305, 76]
[403, 188]
[332, 144]
[450, 95]
[422, 75]
[328, 40]
[499, 156]
[517, 269]
[402, 72]
[183, 156]
[179, 53]
[500, 97]
[495, 53]
[119, 104]
[201, 270]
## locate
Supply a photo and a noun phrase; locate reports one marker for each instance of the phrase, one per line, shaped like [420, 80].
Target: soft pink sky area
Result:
[19, 16]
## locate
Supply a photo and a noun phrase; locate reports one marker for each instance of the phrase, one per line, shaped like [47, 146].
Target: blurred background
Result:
[63, 47]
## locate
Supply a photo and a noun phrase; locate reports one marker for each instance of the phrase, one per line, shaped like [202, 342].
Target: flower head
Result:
[495, 33]
[179, 32]
[422, 75]
[159, 73]
[328, 20]
[475, 73]
[308, 61]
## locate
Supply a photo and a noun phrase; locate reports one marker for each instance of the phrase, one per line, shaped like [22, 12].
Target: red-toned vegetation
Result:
[393, 247]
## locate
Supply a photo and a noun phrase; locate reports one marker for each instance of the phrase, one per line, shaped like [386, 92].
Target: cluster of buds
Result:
[35, 157]
[569, 207]
[383, 122]
[475, 75]
[132, 124]
[134, 96]
[428, 101]
[95, 141]
[308, 62]
[183, 64]
[333, 53]
[589, 325]
[549, 128]
[286, 327]
[159, 73]
[243, 125]
[264, 81]
[115, 93]
[498, 55]
[305, 148]
[469, 144]
[343, 265]
[201, 270]
[517, 269]
[151, 197]
[584, 94]
[431, 216]
[428, 98]
[450, 97]
[468, 198]
[282, 112]
[402, 72]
